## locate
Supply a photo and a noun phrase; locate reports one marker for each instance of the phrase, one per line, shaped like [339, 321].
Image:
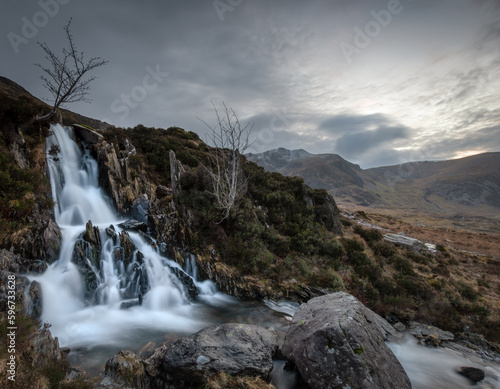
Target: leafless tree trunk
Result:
[66, 76]
[229, 140]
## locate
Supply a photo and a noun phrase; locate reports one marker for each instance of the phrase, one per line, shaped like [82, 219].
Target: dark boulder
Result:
[336, 342]
[236, 349]
[472, 373]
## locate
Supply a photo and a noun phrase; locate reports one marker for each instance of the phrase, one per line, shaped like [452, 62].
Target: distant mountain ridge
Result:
[466, 186]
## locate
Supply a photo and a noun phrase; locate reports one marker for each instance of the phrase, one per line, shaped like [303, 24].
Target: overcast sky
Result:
[378, 82]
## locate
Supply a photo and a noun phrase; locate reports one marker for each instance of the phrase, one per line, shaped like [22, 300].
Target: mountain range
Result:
[460, 187]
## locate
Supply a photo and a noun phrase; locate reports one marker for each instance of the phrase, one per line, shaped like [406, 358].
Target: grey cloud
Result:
[360, 142]
[345, 123]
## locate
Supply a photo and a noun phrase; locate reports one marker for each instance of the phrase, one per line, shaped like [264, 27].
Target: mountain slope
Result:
[468, 186]
[347, 182]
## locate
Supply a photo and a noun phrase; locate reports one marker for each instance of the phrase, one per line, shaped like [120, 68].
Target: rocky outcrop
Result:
[236, 349]
[115, 174]
[87, 257]
[429, 335]
[414, 244]
[325, 210]
[28, 295]
[336, 342]
[14, 263]
[124, 370]
[41, 240]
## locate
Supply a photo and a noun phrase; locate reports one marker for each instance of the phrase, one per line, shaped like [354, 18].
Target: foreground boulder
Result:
[336, 342]
[236, 349]
[124, 370]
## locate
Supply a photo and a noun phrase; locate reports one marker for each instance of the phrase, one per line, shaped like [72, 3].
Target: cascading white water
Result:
[80, 321]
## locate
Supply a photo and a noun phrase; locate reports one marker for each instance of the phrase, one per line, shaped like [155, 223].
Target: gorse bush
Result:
[369, 235]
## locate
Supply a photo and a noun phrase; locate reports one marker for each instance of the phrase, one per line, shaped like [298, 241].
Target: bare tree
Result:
[230, 140]
[66, 76]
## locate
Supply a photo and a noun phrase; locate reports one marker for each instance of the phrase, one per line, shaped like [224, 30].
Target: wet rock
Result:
[92, 236]
[128, 248]
[130, 304]
[336, 342]
[124, 370]
[187, 282]
[87, 261]
[236, 349]
[111, 232]
[140, 208]
[35, 296]
[133, 225]
[472, 373]
[429, 334]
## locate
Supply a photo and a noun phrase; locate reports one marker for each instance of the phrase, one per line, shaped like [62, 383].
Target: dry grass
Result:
[226, 381]
[441, 232]
[457, 288]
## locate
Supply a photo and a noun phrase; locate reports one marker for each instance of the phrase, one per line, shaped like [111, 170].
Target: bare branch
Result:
[229, 140]
[66, 76]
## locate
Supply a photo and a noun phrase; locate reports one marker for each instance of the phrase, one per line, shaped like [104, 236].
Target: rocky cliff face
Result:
[116, 174]
[28, 208]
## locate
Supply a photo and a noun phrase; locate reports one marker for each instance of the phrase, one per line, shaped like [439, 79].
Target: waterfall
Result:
[97, 293]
